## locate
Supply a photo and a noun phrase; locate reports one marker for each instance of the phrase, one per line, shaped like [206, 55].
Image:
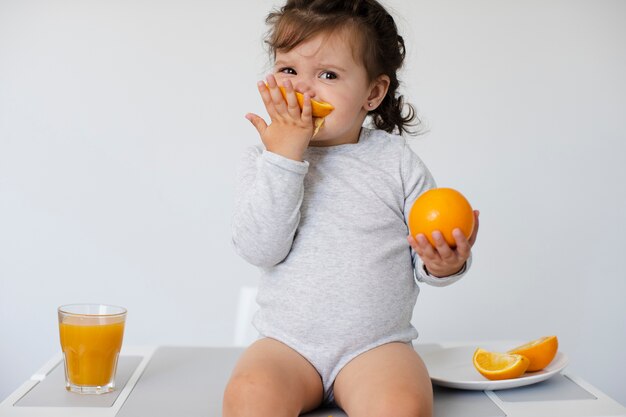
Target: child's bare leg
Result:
[390, 380]
[271, 379]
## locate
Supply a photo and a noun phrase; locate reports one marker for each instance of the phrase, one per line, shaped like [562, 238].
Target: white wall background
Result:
[121, 124]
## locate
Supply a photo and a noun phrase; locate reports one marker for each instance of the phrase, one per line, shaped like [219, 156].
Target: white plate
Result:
[453, 367]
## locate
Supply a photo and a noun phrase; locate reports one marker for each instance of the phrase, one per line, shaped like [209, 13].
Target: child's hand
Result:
[291, 129]
[441, 260]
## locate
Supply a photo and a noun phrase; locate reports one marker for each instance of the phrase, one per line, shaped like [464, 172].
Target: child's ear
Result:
[378, 91]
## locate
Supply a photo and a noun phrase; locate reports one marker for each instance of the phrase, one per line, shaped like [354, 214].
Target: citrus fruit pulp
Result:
[540, 352]
[442, 209]
[497, 366]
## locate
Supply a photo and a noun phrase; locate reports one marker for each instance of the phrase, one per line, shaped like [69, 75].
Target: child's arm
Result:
[267, 208]
[436, 265]
[271, 181]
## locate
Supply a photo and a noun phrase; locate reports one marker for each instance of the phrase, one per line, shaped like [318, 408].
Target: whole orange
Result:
[443, 209]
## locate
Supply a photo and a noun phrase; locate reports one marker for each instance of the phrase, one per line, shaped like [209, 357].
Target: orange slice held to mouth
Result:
[320, 109]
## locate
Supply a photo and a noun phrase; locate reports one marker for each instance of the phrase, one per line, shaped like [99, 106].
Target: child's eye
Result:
[287, 70]
[328, 75]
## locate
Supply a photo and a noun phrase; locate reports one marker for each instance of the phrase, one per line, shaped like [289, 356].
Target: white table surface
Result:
[448, 402]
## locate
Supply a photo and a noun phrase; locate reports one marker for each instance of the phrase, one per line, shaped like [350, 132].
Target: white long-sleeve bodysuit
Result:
[329, 235]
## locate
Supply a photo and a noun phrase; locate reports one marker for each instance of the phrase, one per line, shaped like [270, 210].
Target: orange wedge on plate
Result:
[320, 109]
[540, 352]
[497, 366]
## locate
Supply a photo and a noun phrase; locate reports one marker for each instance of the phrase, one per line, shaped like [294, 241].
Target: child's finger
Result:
[267, 99]
[275, 94]
[258, 122]
[462, 244]
[427, 250]
[413, 244]
[307, 111]
[472, 238]
[292, 102]
[446, 253]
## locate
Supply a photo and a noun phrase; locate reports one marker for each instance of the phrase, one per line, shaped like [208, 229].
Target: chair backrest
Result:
[245, 333]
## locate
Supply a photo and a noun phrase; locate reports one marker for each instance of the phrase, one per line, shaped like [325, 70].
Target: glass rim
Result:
[65, 309]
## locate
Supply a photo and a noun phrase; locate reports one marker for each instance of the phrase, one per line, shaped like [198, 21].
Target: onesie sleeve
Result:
[416, 180]
[269, 193]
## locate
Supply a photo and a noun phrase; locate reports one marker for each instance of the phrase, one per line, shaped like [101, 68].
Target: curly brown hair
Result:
[377, 44]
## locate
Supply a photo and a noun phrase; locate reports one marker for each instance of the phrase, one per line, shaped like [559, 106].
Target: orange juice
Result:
[91, 339]
[91, 351]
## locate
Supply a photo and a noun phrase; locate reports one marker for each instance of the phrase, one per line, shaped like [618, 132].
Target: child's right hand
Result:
[291, 129]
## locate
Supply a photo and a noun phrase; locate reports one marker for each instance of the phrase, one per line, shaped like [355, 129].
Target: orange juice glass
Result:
[91, 339]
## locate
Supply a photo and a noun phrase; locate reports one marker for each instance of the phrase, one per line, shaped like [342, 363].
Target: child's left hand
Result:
[441, 260]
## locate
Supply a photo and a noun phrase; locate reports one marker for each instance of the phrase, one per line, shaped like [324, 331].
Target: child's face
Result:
[324, 66]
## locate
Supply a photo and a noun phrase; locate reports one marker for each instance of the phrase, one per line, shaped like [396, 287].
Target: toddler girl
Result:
[325, 218]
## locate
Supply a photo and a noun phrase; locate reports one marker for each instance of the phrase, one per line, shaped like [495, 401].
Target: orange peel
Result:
[540, 352]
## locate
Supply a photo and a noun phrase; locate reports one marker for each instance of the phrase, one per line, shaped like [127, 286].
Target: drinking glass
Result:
[91, 339]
